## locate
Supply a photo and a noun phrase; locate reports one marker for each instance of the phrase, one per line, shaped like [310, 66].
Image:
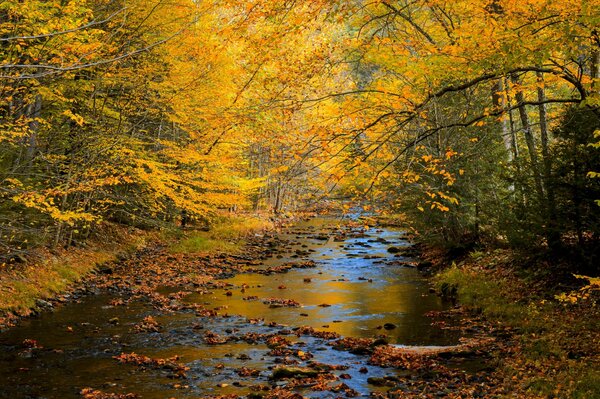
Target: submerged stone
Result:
[293, 372]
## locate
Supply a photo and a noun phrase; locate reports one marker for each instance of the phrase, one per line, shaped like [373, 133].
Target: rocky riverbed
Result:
[323, 309]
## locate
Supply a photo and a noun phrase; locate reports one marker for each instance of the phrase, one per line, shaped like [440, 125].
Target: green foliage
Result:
[200, 242]
[588, 386]
[574, 158]
[226, 234]
[482, 295]
[542, 386]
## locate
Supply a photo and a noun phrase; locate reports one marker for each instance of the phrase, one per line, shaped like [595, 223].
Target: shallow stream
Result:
[354, 291]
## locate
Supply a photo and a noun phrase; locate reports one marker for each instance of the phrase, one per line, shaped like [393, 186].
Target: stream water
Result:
[353, 276]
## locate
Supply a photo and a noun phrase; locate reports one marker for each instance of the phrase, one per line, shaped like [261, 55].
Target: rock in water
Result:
[293, 372]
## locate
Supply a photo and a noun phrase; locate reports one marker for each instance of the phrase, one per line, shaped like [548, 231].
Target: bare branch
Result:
[411, 22]
[64, 32]
[54, 69]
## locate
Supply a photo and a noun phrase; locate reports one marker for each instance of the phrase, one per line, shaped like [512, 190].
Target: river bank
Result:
[549, 323]
[312, 311]
[47, 276]
[322, 310]
[50, 277]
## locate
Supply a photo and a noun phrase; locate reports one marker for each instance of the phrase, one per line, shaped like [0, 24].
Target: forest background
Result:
[475, 125]
[474, 122]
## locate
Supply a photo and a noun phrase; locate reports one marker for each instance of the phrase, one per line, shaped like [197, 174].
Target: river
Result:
[355, 290]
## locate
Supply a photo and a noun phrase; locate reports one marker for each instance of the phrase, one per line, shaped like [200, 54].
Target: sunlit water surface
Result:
[364, 294]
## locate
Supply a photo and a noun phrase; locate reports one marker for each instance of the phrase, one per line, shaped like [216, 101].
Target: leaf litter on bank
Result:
[90, 393]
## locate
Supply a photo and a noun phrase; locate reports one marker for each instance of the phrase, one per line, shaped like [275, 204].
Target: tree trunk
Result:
[552, 234]
[518, 187]
[529, 139]
[499, 102]
[34, 111]
[511, 125]
[595, 70]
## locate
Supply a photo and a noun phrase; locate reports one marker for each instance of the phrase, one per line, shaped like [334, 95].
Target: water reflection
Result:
[363, 292]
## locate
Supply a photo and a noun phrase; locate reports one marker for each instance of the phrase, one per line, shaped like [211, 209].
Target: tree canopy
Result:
[475, 120]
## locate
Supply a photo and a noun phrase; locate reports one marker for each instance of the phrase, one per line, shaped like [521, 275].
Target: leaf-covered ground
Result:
[520, 345]
[547, 324]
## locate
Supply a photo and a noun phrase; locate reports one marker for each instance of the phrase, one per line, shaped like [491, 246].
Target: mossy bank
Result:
[553, 332]
[48, 276]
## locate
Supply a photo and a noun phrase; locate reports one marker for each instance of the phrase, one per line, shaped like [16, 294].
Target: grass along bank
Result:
[226, 234]
[554, 336]
[47, 273]
[26, 287]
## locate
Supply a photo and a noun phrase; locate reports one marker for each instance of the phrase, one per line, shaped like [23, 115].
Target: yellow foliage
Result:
[584, 293]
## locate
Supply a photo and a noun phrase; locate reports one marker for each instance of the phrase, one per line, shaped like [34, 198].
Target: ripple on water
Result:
[351, 291]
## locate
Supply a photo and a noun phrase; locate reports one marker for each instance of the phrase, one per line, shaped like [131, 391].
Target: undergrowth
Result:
[557, 342]
[48, 273]
[226, 234]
